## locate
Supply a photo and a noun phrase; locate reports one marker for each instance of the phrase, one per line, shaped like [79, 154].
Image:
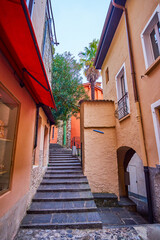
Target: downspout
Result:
[64, 133]
[139, 116]
[36, 130]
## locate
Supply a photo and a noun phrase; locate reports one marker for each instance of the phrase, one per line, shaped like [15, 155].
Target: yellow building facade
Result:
[129, 56]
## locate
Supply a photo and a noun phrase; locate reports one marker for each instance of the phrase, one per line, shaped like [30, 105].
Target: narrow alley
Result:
[64, 201]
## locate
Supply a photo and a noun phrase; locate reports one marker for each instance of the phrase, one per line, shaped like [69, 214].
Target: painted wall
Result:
[75, 121]
[99, 150]
[21, 177]
[129, 130]
[38, 20]
[54, 140]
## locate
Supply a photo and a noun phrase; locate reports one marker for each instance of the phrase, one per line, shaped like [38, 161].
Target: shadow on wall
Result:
[132, 178]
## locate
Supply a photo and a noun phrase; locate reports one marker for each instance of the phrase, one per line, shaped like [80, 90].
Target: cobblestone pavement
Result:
[123, 233]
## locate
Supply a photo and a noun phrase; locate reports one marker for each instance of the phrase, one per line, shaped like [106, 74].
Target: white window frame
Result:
[121, 72]
[156, 122]
[145, 37]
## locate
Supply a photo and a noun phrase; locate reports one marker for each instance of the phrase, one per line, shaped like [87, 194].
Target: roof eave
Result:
[111, 23]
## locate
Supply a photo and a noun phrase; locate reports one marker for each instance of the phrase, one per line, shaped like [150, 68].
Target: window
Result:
[52, 132]
[122, 94]
[107, 75]
[8, 123]
[151, 38]
[30, 4]
[155, 108]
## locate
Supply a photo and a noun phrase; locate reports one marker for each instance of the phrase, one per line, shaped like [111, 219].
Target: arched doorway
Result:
[131, 178]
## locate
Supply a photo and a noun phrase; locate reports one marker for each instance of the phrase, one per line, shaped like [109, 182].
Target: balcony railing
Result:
[122, 108]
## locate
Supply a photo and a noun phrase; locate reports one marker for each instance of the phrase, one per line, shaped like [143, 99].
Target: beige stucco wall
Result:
[99, 150]
[38, 20]
[128, 133]
[139, 13]
[128, 130]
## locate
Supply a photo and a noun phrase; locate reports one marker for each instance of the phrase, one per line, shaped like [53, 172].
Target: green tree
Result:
[87, 59]
[67, 86]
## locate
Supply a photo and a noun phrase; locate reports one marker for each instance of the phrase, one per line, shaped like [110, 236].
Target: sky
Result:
[77, 23]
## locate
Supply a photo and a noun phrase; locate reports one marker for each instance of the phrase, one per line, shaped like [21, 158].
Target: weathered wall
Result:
[38, 20]
[54, 140]
[99, 150]
[148, 87]
[47, 58]
[22, 163]
[68, 133]
[60, 133]
[128, 131]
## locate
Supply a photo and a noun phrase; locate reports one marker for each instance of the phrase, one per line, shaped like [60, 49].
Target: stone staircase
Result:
[63, 199]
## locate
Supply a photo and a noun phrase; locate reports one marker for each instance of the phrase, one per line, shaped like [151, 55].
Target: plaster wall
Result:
[127, 129]
[22, 163]
[75, 126]
[75, 121]
[99, 150]
[38, 20]
[139, 13]
[54, 140]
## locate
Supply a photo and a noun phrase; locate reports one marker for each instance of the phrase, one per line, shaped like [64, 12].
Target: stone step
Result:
[64, 164]
[60, 154]
[63, 176]
[105, 199]
[62, 206]
[63, 158]
[62, 220]
[63, 196]
[64, 171]
[64, 187]
[64, 168]
[52, 190]
[64, 181]
[63, 161]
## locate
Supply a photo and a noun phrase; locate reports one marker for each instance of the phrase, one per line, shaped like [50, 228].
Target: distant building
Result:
[75, 121]
[25, 105]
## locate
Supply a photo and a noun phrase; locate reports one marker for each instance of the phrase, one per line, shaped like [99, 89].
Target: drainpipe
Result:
[139, 117]
[64, 133]
[36, 130]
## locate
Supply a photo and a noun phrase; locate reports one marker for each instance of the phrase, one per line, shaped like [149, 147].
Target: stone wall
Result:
[9, 223]
[155, 191]
[60, 133]
[68, 132]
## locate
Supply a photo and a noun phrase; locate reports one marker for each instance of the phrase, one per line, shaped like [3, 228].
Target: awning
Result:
[19, 45]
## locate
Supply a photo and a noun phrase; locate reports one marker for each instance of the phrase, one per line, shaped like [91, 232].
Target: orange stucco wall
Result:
[128, 130]
[20, 182]
[75, 121]
[54, 140]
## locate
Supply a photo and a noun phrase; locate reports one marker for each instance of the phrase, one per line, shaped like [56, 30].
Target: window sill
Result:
[128, 115]
[153, 66]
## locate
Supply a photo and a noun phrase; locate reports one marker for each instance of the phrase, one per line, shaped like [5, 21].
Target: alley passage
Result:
[64, 198]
